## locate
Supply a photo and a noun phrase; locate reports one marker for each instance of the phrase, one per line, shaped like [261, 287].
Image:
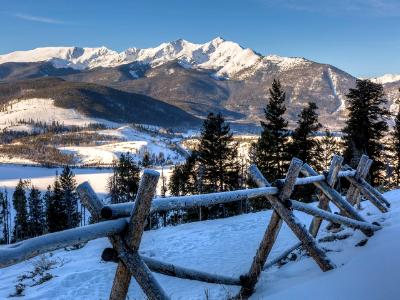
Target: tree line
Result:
[37, 213]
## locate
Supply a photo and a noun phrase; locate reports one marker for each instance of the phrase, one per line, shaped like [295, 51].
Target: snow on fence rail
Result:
[126, 229]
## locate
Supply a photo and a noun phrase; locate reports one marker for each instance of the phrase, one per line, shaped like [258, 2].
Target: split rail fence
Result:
[124, 224]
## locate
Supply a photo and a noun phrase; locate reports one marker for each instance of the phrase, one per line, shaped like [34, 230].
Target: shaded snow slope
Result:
[226, 247]
[42, 110]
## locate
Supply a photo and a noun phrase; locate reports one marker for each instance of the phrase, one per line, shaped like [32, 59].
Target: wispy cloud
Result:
[365, 7]
[37, 18]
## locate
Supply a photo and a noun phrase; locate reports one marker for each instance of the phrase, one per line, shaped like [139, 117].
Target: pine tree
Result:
[36, 213]
[366, 125]
[217, 155]
[330, 145]
[183, 180]
[21, 228]
[124, 182]
[304, 145]
[5, 216]
[395, 145]
[69, 197]
[56, 216]
[146, 161]
[270, 150]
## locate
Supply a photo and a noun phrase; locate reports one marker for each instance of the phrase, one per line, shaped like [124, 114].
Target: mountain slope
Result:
[98, 101]
[199, 78]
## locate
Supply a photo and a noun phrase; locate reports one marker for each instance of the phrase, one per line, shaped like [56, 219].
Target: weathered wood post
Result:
[137, 220]
[335, 197]
[271, 233]
[361, 172]
[334, 169]
[281, 212]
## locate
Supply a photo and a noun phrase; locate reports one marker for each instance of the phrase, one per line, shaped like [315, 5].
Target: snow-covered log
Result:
[283, 255]
[346, 173]
[374, 191]
[361, 184]
[27, 249]
[305, 180]
[170, 203]
[335, 197]
[314, 211]
[186, 273]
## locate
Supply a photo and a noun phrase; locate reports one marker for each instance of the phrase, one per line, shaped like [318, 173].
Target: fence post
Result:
[334, 169]
[137, 222]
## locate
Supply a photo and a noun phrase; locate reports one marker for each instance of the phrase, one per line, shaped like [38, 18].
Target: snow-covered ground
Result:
[227, 246]
[135, 142]
[42, 110]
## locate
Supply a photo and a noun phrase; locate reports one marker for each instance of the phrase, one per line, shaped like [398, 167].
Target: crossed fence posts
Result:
[124, 224]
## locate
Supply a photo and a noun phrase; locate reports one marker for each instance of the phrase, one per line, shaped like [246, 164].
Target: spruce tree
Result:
[217, 155]
[69, 197]
[5, 216]
[124, 182]
[395, 145]
[330, 145]
[304, 144]
[183, 180]
[367, 125]
[56, 216]
[270, 150]
[21, 228]
[37, 218]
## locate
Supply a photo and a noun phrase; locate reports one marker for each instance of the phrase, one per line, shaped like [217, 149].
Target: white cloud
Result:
[37, 18]
[366, 7]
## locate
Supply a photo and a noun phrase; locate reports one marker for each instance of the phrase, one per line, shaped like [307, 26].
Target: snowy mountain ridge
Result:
[226, 57]
[387, 78]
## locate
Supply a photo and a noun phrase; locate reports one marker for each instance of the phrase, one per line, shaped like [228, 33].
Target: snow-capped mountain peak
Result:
[227, 58]
[387, 78]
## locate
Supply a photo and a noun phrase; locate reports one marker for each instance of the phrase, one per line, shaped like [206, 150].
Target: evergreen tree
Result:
[304, 145]
[330, 145]
[5, 216]
[21, 228]
[217, 155]
[183, 180]
[36, 213]
[56, 216]
[124, 182]
[367, 125]
[146, 161]
[69, 197]
[395, 146]
[270, 150]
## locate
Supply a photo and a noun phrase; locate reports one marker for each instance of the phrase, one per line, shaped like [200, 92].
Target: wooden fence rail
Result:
[124, 224]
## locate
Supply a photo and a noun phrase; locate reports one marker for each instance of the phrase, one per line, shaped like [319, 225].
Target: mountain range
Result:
[218, 75]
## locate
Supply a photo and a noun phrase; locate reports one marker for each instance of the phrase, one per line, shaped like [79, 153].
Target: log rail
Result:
[124, 224]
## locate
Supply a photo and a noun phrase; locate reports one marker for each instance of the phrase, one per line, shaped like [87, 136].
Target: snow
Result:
[43, 110]
[135, 142]
[227, 246]
[227, 58]
[387, 78]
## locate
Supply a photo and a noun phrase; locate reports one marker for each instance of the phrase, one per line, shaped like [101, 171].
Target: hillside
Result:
[218, 75]
[226, 246]
[97, 101]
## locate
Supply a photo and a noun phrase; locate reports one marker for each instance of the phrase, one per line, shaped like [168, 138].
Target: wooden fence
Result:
[124, 224]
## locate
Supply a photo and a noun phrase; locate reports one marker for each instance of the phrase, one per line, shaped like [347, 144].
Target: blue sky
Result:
[361, 37]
